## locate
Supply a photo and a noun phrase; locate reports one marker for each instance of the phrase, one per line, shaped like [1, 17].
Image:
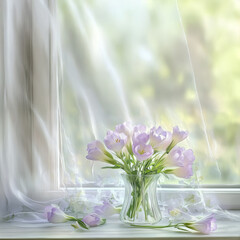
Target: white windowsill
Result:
[226, 198]
[113, 229]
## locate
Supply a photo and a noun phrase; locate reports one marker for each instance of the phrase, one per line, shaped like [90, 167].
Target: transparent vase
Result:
[140, 206]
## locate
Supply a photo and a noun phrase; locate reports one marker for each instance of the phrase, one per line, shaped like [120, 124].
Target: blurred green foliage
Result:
[213, 33]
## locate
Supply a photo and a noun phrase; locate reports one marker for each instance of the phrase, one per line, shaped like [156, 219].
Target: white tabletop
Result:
[113, 229]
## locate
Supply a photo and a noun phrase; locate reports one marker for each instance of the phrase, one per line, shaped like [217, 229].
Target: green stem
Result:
[126, 167]
[80, 222]
[139, 191]
[145, 226]
[159, 160]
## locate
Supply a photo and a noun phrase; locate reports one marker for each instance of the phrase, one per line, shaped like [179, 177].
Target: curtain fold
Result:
[28, 141]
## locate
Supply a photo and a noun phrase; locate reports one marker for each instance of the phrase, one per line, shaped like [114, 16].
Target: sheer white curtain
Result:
[28, 139]
[124, 60]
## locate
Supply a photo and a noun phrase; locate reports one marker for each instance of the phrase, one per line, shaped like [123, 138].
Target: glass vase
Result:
[140, 206]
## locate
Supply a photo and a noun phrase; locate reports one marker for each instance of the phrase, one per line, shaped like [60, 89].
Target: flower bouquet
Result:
[143, 155]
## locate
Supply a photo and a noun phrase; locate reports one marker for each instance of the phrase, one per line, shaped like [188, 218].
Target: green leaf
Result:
[167, 171]
[134, 172]
[114, 167]
[73, 225]
[82, 224]
[103, 221]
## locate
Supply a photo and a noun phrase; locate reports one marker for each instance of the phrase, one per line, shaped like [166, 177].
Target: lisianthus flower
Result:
[96, 151]
[188, 156]
[181, 158]
[105, 210]
[125, 128]
[140, 128]
[183, 172]
[115, 141]
[175, 157]
[178, 136]
[142, 151]
[93, 220]
[55, 215]
[160, 139]
[140, 136]
[206, 225]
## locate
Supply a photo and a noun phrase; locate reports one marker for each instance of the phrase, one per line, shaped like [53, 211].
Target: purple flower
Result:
[179, 157]
[96, 151]
[97, 144]
[105, 210]
[182, 158]
[115, 141]
[125, 128]
[55, 215]
[183, 172]
[206, 225]
[140, 128]
[175, 157]
[139, 135]
[93, 220]
[140, 138]
[178, 136]
[142, 151]
[188, 157]
[160, 139]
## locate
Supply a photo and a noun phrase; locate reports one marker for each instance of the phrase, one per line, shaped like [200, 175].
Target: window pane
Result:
[128, 60]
